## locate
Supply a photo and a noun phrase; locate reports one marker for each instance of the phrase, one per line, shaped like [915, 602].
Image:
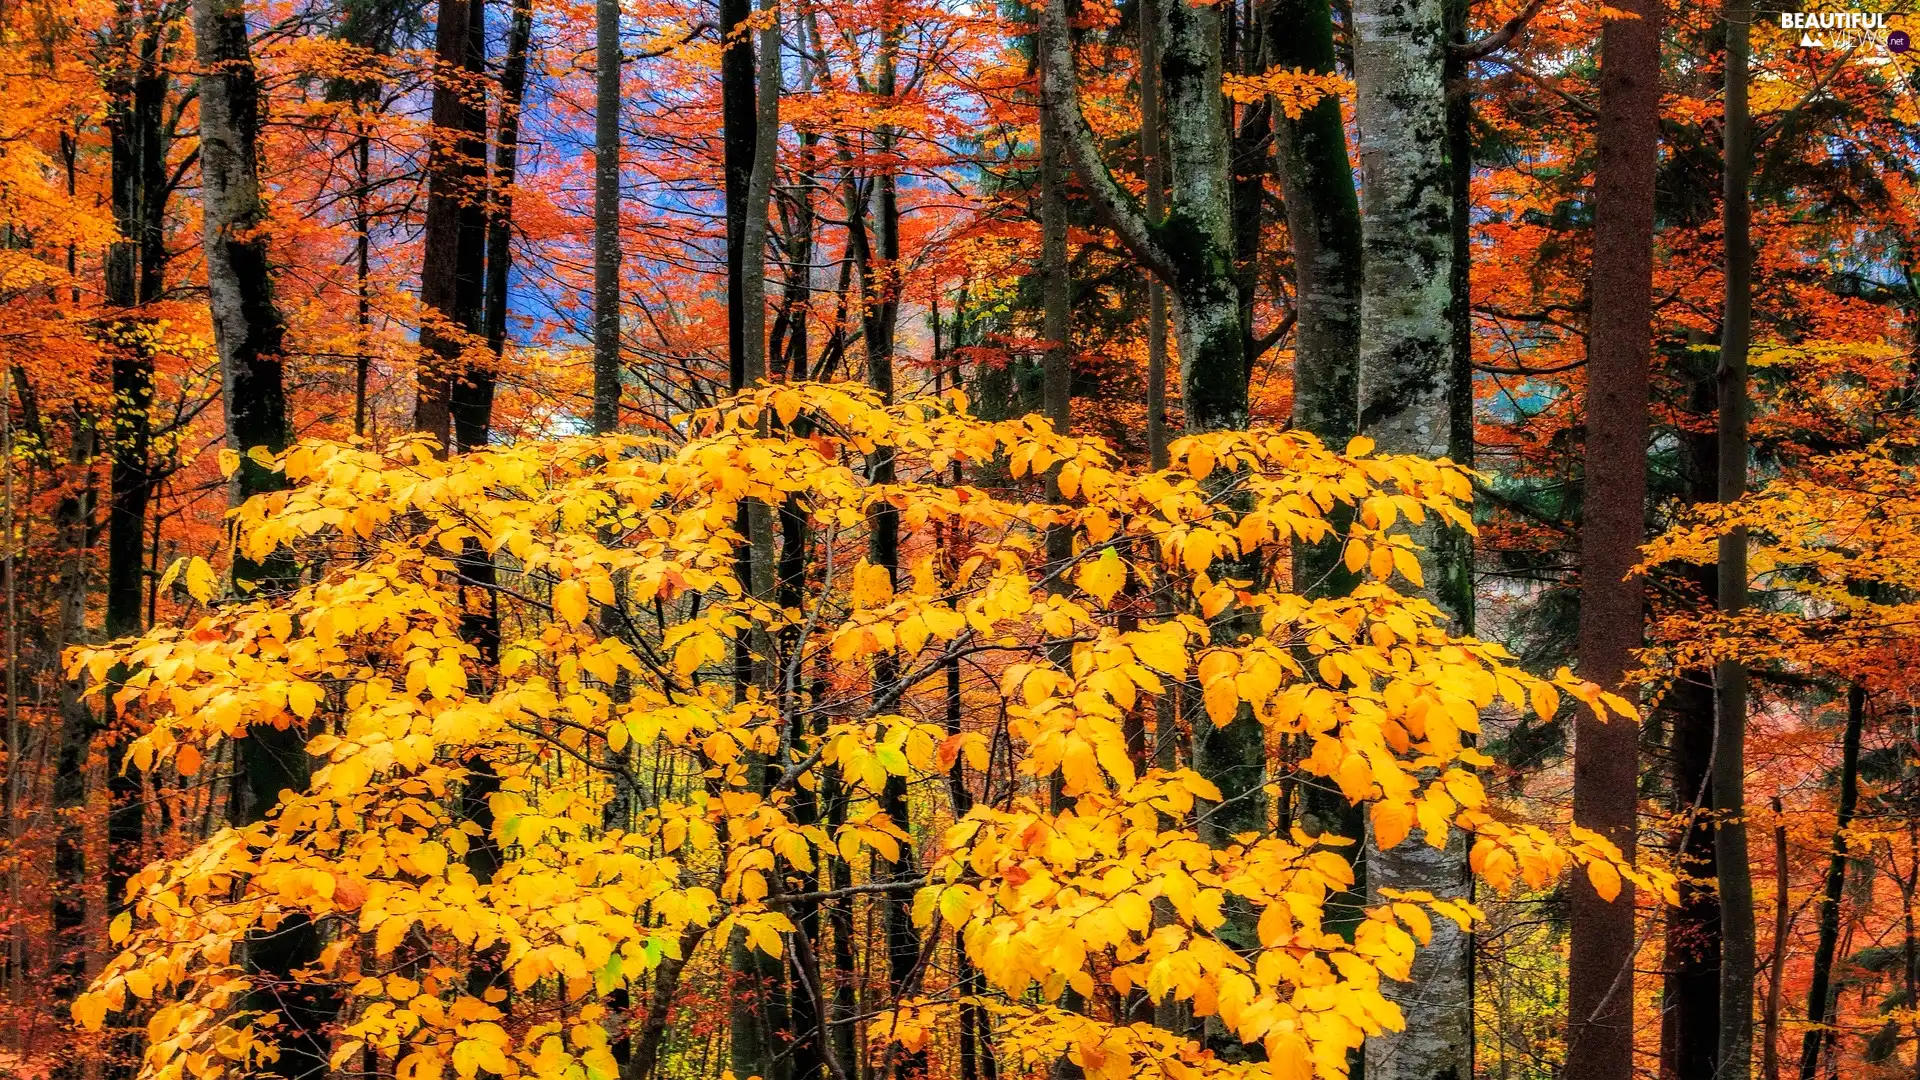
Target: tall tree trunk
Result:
[362, 274]
[1782, 926]
[455, 398]
[1191, 250]
[139, 190]
[760, 180]
[1323, 221]
[1456, 556]
[1730, 714]
[1406, 369]
[738, 108]
[1821, 1000]
[606, 218]
[1154, 168]
[74, 524]
[1690, 995]
[1056, 290]
[137, 141]
[1600, 1032]
[249, 333]
[879, 270]
[506, 167]
[750, 115]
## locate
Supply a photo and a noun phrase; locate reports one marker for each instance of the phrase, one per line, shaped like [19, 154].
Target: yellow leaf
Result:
[1356, 556]
[1409, 566]
[1605, 879]
[430, 858]
[1391, 823]
[1355, 778]
[1288, 1058]
[1199, 461]
[1102, 577]
[302, 697]
[1546, 700]
[90, 1010]
[140, 983]
[1223, 701]
[200, 579]
[570, 601]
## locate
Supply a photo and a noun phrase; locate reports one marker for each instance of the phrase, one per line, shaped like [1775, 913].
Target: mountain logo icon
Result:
[1808, 41]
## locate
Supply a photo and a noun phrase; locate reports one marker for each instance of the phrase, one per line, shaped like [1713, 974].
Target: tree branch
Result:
[1060, 101]
[1499, 39]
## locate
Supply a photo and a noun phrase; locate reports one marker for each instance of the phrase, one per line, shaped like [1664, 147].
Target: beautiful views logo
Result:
[1845, 30]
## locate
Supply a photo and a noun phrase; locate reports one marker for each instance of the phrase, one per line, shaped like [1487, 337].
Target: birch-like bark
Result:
[1191, 250]
[249, 333]
[1406, 365]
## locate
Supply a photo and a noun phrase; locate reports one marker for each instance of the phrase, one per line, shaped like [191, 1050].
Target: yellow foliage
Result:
[416, 726]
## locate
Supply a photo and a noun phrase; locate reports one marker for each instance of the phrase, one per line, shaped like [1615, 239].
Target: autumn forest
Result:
[959, 540]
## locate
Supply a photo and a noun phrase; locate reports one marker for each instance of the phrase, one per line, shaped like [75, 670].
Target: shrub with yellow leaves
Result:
[650, 791]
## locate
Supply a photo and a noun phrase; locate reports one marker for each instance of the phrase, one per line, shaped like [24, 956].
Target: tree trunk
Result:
[760, 179]
[1191, 251]
[1154, 168]
[249, 333]
[1056, 365]
[74, 523]
[1821, 1000]
[1782, 926]
[506, 167]
[1690, 1001]
[738, 108]
[1406, 369]
[1600, 1031]
[1323, 220]
[1730, 714]
[606, 218]
[137, 140]
[455, 401]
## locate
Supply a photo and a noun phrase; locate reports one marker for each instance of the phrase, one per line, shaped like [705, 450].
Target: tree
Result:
[250, 335]
[1405, 372]
[454, 403]
[1731, 860]
[556, 917]
[606, 217]
[1600, 1031]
